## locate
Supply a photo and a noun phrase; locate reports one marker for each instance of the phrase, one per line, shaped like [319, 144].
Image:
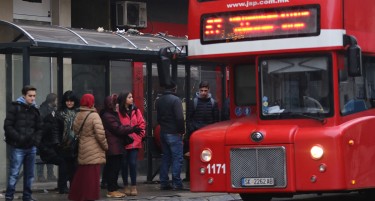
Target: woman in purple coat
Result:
[115, 133]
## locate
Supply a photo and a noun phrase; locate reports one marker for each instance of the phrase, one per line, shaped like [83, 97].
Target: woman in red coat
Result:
[132, 116]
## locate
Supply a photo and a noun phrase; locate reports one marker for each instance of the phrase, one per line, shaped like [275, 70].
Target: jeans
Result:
[17, 158]
[172, 148]
[130, 165]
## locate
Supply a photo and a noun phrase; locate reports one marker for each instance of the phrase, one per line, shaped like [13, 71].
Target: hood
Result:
[109, 104]
[198, 96]
[87, 100]
[23, 101]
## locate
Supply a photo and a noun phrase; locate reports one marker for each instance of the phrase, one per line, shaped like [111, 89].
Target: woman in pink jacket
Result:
[130, 115]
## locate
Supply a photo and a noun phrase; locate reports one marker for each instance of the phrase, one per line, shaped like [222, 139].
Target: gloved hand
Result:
[137, 130]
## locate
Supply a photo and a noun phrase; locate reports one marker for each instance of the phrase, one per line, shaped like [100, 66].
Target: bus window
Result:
[356, 92]
[244, 85]
[295, 85]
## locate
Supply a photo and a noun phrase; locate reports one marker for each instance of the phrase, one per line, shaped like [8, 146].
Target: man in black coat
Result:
[171, 119]
[203, 111]
[23, 132]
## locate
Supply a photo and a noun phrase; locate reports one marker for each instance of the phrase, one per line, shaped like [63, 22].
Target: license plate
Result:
[257, 182]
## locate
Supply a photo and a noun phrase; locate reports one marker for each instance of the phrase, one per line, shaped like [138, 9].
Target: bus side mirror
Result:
[354, 56]
[163, 66]
[354, 61]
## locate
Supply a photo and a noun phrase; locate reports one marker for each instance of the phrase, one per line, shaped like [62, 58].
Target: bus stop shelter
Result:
[62, 42]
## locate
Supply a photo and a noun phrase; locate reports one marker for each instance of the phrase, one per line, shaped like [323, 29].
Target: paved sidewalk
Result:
[146, 191]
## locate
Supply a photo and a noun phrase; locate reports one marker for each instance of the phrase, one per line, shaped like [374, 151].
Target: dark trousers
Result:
[112, 170]
[71, 167]
[62, 172]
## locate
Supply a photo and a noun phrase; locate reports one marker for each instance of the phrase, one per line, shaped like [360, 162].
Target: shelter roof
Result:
[54, 41]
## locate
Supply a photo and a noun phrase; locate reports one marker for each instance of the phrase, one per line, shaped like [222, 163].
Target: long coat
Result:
[92, 141]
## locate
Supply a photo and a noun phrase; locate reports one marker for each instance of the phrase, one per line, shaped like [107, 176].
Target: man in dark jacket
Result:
[203, 111]
[46, 108]
[48, 149]
[23, 131]
[171, 119]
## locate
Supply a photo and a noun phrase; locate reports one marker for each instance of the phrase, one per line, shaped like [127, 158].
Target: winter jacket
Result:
[170, 115]
[48, 148]
[115, 132]
[205, 112]
[135, 119]
[92, 141]
[62, 123]
[23, 125]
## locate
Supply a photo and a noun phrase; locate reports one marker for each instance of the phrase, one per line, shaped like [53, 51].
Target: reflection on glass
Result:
[296, 86]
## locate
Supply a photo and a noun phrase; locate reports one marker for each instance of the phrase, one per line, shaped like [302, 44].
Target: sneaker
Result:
[181, 189]
[127, 190]
[64, 191]
[133, 191]
[115, 194]
[30, 199]
[165, 188]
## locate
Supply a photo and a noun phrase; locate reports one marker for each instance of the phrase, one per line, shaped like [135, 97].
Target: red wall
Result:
[165, 27]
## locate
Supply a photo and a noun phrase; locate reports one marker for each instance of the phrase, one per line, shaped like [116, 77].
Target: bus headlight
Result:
[317, 152]
[206, 155]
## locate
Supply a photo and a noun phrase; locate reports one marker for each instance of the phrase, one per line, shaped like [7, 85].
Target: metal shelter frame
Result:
[61, 42]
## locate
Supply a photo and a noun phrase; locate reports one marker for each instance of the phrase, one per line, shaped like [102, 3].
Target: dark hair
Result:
[204, 84]
[27, 88]
[121, 100]
[69, 95]
[50, 98]
[171, 85]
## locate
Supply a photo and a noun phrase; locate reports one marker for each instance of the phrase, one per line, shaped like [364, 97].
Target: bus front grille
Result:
[260, 162]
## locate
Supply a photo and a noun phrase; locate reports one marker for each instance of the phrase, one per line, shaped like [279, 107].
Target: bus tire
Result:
[255, 197]
[370, 193]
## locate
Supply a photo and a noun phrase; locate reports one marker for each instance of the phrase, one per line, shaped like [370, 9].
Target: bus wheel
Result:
[255, 197]
[370, 193]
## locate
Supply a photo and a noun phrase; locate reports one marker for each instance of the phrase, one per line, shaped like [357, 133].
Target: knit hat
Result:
[88, 100]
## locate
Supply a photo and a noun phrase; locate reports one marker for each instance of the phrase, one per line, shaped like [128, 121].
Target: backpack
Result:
[196, 103]
[192, 126]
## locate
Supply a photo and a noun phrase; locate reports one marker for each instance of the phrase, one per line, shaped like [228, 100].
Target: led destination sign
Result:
[260, 24]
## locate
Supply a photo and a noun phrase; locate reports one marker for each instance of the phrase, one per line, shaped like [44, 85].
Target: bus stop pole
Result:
[149, 121]
[26, 65]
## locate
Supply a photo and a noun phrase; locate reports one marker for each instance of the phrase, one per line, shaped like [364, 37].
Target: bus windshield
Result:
[295, 87]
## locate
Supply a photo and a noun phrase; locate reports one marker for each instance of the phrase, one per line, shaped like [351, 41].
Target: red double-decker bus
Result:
[302, 89]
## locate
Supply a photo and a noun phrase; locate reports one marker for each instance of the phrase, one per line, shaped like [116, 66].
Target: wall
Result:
[90, 14]
[6, 13]
[166, 16]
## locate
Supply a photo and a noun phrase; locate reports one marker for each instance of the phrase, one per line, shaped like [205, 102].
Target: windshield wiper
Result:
[321, 120]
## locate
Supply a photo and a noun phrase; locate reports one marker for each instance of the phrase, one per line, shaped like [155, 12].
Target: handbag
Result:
[75, 142]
